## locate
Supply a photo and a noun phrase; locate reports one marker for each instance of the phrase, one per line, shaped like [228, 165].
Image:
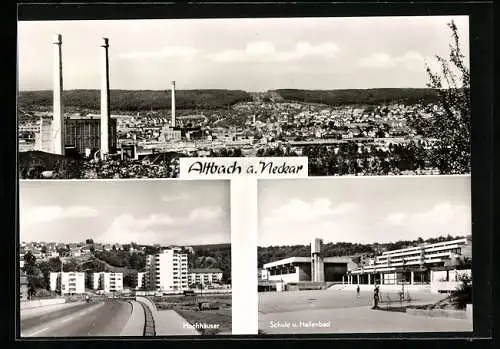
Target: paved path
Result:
[356, 320]
[329, 311]
[93, 319]
[170, 323]
[136, 322]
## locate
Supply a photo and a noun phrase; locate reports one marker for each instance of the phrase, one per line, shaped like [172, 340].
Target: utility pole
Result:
[60, 278]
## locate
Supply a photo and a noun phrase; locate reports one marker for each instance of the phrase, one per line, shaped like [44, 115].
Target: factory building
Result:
[206, 276]
[108, 282]
[170, 134]
[167, 270]
[43, 138]
[427, 264]
[67, 282]
[82, 134]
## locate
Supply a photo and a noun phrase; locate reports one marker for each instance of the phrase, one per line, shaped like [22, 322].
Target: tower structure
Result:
[57, 133]
[317, 264]
[104, 99]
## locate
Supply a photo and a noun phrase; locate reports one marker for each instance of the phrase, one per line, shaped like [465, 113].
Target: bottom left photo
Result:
[126, 258]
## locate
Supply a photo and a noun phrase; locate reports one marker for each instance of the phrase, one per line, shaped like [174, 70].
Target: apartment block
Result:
[167, 270]
[206, 276]
[67, 282]
[108, 282]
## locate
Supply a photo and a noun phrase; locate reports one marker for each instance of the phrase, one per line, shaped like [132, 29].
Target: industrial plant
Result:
[92, 135]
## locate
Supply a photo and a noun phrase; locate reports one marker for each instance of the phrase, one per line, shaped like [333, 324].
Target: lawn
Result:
[188, 307]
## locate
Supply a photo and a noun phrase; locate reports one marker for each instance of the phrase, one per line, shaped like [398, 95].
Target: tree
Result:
[89, 241]
[452, 126]
[129, 280]
[463, 294]
[29, 264]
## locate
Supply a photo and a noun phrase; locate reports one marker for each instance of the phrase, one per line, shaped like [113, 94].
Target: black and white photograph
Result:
[110, 99]
[365, 255]
[124, 258]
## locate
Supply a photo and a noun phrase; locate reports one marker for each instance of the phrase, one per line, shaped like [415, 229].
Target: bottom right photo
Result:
[365, 255]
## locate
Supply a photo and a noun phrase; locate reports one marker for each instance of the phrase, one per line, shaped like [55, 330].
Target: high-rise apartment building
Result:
[167, 271]
[108, 282]
[140, 281]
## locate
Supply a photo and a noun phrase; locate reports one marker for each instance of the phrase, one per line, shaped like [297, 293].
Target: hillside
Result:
[131, 100]
[273, 253]
[143, 100]
[360, 96]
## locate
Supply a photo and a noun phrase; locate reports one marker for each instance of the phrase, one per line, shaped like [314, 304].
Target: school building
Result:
[429, 265]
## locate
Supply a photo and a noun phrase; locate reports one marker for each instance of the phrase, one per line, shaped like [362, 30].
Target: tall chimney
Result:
[173, 103]
[58, 116]
[104, 99]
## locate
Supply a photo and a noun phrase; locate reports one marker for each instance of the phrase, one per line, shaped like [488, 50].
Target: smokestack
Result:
[58, 116]
[173, 103]
[104, 100]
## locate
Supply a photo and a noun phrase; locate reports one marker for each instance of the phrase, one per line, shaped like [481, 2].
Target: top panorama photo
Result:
[126, 99]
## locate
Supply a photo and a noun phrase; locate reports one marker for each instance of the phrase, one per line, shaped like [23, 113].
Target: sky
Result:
[363, 210]
[148, 212]
[248, 54]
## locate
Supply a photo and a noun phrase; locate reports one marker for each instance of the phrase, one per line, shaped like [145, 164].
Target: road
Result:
[104, 318]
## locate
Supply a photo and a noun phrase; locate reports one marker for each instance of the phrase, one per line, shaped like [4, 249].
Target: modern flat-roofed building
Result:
[167, 270]
[299, 269]
[205, 276]
[108, 282]
[413, 265]
[316, 268]
[67, 282]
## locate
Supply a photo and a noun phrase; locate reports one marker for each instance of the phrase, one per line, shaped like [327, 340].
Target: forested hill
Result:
[273, 253]
[360, 96]
[140, 100]
[143, 100]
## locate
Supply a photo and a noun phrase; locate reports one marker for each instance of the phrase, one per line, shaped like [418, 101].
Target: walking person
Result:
[376, 297]
[357, 291]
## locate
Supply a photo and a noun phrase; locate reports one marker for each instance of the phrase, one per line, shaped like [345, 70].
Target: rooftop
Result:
[205, 270]
[292, 260]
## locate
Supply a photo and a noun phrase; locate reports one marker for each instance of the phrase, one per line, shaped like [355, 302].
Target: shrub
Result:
[463, 294]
